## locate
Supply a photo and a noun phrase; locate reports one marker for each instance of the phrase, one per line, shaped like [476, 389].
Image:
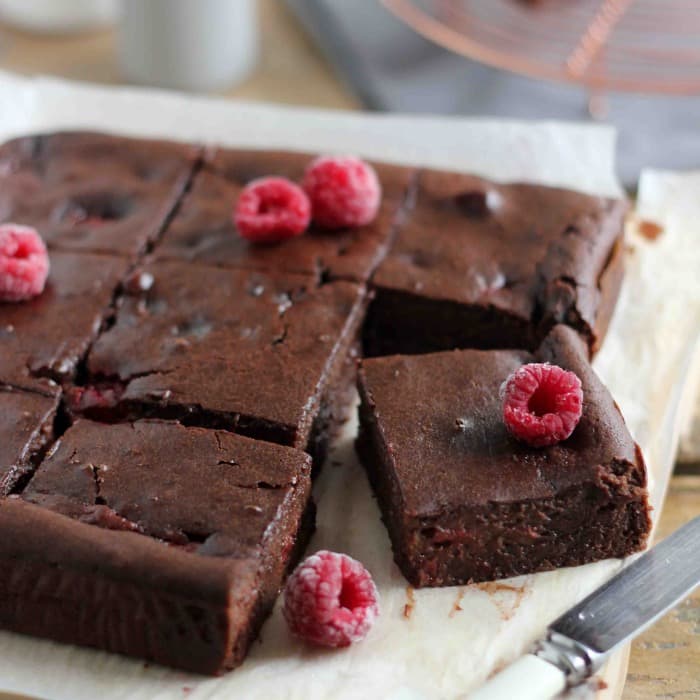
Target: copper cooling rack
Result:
[631, 45]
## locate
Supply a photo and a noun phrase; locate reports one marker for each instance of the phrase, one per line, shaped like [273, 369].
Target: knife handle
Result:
[529, 678]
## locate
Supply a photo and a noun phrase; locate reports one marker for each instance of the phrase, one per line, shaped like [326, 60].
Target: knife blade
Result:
[580, 641]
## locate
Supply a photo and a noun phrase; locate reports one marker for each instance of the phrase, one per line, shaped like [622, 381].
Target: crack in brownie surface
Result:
[463, 500]
[26, 431]
[198, 528]
[252, 352]
[483, 265]
[127, 469]
[203, 229]
[93, 192]
[43, 340]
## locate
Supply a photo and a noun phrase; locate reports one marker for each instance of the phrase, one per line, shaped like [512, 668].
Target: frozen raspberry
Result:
[331, 600]
[24, 263]
[90, 399]
[542, 404]
[271, 209]
[344, 191]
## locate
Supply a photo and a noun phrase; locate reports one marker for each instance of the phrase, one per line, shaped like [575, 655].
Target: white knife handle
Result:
[529, 678]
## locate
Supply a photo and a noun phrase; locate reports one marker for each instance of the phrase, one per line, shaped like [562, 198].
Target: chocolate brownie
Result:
[203, 228]
[154, 540]
[483, 265]
[94, 192]
[464, 501]
[266, 355]
[43, 340]
[26, 430]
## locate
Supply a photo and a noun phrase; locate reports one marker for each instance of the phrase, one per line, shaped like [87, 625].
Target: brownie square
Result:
[93, 192]
[464, 501]
[26, 431]
[484, 265]
[43, 340]
[266, 355]
[203, 228]
[154, 540]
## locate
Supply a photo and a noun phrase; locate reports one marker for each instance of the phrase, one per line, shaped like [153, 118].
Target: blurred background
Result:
[634, 64]
[631, 63]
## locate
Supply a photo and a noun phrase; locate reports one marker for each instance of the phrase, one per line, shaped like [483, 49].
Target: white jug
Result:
[196, 45]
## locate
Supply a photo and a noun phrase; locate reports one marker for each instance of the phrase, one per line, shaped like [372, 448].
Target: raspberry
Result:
[92, 398]
[344, 191]
[542, 404]
[24, 263]
[271, 209]
[331, 600]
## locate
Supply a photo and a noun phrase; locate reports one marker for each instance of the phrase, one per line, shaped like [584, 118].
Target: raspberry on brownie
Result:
[154, 540]
[542, 403]
[26, 431]
[93, 192]
[203, 230]
[344, 191]
[271, 209]
[271, 356]
[464, 500]
[24, 263]
[484, 265]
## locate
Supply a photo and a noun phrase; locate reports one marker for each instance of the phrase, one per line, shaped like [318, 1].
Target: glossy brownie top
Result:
[210, 492]
[93, 192]
[531, 251]
[46, 338]
[440, 415]
[234, 342]
[203, 229]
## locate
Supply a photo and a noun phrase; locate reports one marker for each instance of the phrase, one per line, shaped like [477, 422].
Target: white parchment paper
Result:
[433, 643]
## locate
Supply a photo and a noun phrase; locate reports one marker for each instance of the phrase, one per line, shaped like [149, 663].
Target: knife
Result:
[580, 641]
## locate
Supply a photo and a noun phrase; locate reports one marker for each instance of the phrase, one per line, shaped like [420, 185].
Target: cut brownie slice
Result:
[203, 229]
[44, 339]
[95, 192]
[26, 431]
[154, 540]
[464, 501]
[483, 265]
[269, 356]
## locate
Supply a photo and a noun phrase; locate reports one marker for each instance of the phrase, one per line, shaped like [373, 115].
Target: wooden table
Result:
[665, 662]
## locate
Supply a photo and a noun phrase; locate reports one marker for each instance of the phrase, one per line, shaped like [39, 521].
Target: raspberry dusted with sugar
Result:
[542, 403]
[24, 263]
[331, 600]
[271, 209]
[344, 191]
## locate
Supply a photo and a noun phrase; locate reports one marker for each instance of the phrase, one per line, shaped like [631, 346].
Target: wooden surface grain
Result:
[290, 70]
[665, 662]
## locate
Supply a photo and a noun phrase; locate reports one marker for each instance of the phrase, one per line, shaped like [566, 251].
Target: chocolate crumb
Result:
[181, 344]
[496, 669]
[505, 608]
[410, 603]
[139, 282]
[457, 605]
[650, 230]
